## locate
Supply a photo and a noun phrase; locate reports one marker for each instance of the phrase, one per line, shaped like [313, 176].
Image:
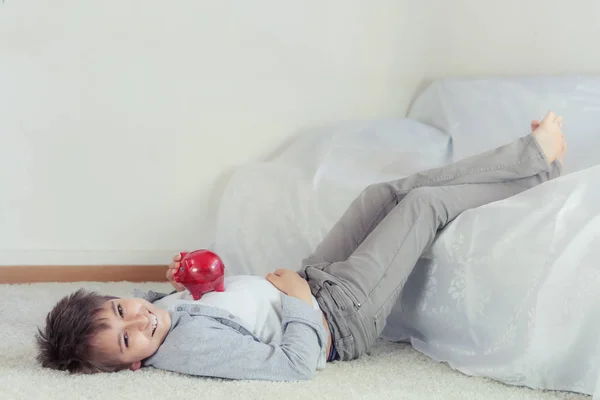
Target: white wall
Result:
[120, 119]
[510, 37]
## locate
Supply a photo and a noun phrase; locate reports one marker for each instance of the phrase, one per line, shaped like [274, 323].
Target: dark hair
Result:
[65, 344]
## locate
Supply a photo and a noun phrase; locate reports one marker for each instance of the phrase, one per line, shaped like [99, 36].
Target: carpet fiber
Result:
[392, 371]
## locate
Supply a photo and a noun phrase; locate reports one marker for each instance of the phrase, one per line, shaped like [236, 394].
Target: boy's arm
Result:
[205, 347]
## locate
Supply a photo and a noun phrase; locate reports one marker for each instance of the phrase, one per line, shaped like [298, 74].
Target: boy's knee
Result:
[380, 193]
[429, 201]
[424, 195]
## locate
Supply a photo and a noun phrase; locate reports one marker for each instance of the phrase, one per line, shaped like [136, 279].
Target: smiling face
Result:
[136, 329]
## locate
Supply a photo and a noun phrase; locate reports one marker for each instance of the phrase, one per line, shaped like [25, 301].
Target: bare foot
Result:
[550, 137]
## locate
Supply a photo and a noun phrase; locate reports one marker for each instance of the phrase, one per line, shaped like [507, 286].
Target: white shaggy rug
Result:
[392, 371]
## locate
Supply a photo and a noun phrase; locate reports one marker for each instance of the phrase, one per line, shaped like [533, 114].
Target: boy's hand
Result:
[292, 284]
[172, 268]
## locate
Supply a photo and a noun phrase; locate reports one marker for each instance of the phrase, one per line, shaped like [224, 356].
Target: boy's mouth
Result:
[154, 323]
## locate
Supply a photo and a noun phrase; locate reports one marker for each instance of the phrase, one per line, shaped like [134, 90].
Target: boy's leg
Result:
[358, 293]
[520, 159]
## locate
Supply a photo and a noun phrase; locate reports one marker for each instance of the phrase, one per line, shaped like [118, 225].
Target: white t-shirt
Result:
[252, 299]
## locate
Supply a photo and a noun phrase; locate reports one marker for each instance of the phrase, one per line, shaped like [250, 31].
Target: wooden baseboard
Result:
[83, 273]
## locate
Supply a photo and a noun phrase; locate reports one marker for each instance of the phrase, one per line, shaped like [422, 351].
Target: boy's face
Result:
[131, 336]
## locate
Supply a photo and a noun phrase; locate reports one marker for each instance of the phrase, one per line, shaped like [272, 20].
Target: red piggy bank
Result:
[201, 271]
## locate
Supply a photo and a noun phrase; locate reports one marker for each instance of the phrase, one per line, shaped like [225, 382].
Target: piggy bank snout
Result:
[179, 274]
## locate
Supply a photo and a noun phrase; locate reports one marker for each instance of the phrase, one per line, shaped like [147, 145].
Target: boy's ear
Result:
[136, 365]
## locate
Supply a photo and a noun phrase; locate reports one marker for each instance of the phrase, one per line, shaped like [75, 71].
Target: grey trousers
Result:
[359, 269]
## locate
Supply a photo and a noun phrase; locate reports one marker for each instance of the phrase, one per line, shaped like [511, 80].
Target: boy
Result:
[287, 326]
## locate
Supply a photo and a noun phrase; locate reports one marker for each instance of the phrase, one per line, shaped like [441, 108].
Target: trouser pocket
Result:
[345, 301]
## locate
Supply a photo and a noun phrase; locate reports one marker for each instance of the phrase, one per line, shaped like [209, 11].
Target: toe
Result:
[550, 117]
[559, 121]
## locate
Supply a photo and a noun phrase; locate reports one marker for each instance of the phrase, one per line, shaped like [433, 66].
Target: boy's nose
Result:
[140, 321]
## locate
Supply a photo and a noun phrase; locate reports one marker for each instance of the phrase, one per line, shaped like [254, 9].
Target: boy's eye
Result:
[120, 310]
[126, 340]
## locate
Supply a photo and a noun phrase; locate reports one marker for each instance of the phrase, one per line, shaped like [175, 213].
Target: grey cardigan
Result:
[210, 342]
